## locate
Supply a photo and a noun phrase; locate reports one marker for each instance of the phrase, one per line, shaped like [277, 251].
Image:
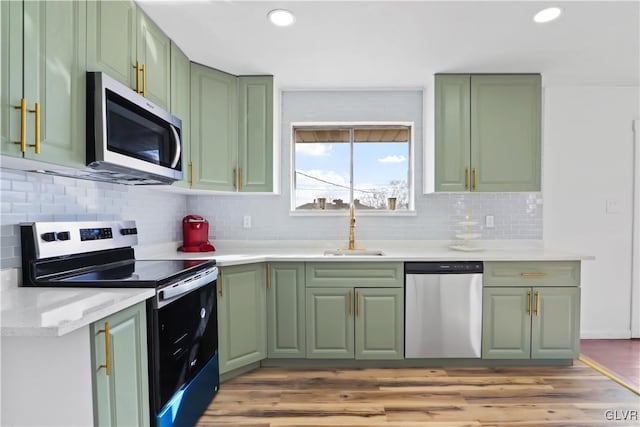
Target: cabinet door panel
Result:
[54, 72]
[286, 311]
[11, 45]
[213, 128]
[330, 323]
[180, 106]
[379, 323]
[452, 132]
[154, 51]
[555, 324]
[122, 398]
[506, 324]
[255, 137]
[241, 316]
[111, 39]
[505, 132]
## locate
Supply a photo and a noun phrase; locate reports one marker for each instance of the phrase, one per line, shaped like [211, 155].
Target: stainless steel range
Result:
[181, 318]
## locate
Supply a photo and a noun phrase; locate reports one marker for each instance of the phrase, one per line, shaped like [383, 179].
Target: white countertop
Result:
[58, 311]
[245, 252]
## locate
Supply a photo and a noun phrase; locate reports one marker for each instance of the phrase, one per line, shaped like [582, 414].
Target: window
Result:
[369, 165]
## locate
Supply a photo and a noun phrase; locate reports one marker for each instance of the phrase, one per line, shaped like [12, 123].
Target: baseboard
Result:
[605, 334]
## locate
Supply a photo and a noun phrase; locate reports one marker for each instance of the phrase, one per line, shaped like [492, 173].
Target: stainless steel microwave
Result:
[129, 138]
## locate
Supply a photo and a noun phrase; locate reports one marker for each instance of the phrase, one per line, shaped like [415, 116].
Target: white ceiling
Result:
[391, 44]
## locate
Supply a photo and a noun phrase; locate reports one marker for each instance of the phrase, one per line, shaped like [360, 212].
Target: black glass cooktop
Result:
[141, 274]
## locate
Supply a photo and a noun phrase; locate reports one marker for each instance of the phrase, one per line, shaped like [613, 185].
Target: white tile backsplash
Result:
[28, 196]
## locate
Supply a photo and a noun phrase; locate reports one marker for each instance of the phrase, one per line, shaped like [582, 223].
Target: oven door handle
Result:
[181, 288]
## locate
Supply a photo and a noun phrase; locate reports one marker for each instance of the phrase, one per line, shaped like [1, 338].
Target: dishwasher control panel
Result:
[438, 267]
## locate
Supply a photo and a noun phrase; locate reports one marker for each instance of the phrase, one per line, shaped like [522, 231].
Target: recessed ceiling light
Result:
[281, 17]
[547, 15]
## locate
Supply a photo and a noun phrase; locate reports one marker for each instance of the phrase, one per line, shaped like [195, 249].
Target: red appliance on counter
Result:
[195, 235]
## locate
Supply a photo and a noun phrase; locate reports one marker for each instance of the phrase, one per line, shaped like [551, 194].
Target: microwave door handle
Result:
[176, 137]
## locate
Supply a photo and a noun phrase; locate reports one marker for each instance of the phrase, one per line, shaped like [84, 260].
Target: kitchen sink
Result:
[353, 252]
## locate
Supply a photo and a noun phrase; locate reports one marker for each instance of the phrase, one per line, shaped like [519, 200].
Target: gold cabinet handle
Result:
[268, 276]
[350, 303]
[137, 67]
[191, 173]
[235, 179]
[221, 292]
[533, 274]
[537, 303]
[107, 343]
[23, 124]
[239, 179]
[475, 177]
[529, 304]
[357, 304]
[144, 80]
[466, 178]
[36, 143]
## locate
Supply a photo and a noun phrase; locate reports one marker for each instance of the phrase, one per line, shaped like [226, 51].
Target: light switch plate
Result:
[246, 221]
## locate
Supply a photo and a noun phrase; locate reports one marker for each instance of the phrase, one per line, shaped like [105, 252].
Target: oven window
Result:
[133, 132]
[188, 338]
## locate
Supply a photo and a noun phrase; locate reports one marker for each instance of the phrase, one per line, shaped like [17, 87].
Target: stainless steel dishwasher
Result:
[443, 309]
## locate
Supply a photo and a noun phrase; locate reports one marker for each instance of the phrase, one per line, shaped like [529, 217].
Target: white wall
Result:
[517, 215]
[588, 161]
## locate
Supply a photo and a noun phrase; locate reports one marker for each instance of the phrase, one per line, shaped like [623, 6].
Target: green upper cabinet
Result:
[154, 53]
[488, 132]
[43, 63]
[231, 131]
[286, 310]
[214, 130]
[255, 133]
[119, 367]
[242, 328]
[452, 132]
[124, 43]
[181, 106]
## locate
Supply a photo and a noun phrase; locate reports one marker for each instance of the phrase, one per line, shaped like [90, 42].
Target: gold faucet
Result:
[352, 226]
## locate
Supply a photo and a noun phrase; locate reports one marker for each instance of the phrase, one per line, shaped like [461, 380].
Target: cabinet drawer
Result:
[352, 274]
[532, 273]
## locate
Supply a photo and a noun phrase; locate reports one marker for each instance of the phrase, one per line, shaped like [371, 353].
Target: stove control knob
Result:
[49, 237]
[63, 235]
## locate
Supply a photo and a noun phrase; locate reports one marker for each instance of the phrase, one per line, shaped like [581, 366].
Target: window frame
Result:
[410, 211]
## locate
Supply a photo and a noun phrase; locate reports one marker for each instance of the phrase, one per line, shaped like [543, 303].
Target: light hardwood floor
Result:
[443, 397]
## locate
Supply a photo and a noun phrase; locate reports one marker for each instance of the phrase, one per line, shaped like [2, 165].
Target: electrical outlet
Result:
[246, 221]
[488, 221]
[613, 206]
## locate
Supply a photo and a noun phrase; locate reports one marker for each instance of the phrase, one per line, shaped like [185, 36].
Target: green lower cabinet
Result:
[242, 328]
[555, 323]
[330, 323]
[506, 325]
[121, 397]
[524, 322]
[379, 323]
[360, 323]
[286, 311]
